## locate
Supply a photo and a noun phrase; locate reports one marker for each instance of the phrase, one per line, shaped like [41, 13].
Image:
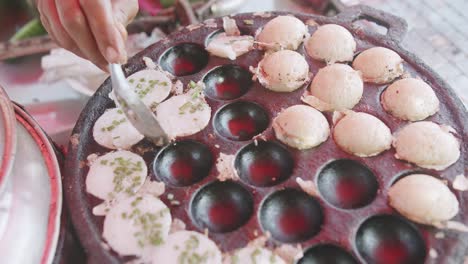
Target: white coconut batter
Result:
[301, 127]
[283, 71]
[185, 247]
[116, 173]
[254, 255]
[335, 87]
[362, 134]
[331, 43]
[113, 130]
[230, 47]
[410, 99]
[423, 199]
[283, 32]
[152, 86]
[186, 114]
[379, 65]
[230, 44]
[137, 225]
[427, 145]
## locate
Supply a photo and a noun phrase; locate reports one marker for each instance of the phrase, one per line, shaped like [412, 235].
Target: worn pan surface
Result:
[339, 225]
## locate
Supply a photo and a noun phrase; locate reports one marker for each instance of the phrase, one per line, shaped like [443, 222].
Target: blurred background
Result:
[54, 86]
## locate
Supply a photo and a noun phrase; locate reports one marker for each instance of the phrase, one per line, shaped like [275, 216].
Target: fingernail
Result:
[123, 58]
[121, 43]
[111, 55]
[123, 31]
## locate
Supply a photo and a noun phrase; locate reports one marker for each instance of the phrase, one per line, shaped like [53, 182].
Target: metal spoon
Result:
[139, 115]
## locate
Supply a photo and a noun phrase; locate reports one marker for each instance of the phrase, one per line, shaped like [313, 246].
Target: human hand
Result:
[92, 29]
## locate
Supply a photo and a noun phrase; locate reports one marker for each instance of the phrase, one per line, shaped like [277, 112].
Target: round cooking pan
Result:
[340, 226]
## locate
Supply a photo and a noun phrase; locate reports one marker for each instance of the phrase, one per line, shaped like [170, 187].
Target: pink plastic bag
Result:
[151, 7]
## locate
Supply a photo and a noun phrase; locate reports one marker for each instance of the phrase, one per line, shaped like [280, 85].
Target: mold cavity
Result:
[227, 82]
[347, 184]
[291, 215]
[221, 206]
[241, 120]
[184, 59]
[390, 239]
[264, 164]
[325, 254]
[183, 163]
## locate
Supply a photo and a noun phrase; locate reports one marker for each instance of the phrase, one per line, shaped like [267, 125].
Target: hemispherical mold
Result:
[347, 184]
[240, 120]
[390, 239]
[184, 59]
[221, 206]
[183, 163]
[325, 254]
[291, 215]
[264, 163]
[227, 82]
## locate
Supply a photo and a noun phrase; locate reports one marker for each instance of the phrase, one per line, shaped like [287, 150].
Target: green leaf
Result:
[33, 28]
[168, 3]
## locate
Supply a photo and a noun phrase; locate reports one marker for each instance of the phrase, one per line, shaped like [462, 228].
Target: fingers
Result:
[51, 21]
[93, 29]
[123, 31]
[105, 29]
[124, 10]
[75, 24]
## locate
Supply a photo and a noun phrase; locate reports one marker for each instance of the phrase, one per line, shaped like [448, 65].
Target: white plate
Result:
[32, 202]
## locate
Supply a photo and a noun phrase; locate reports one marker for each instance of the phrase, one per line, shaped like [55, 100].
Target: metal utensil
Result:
[139, 115]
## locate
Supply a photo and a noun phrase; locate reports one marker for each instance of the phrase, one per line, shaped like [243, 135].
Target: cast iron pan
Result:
[330, 218]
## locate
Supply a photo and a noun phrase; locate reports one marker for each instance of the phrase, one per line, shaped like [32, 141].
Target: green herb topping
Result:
[254, 255]
[113, 125]
[272, 258]
[125, 179]
[234, 259]
[195, 103]
[148, 224]
[145, 87]
[192, 84]
[189, 254]
[154, 105]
